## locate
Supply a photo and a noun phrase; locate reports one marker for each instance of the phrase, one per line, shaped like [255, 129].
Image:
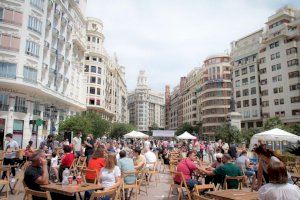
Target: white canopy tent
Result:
[135, 134]
[275, 137]
[186, 136]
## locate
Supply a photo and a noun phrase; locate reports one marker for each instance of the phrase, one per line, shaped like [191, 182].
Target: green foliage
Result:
[273, 122]
[248, 133]
[154, 126]
[295, 129]
[229, 134]
[185, 127]
[120, 129]
[294, 149]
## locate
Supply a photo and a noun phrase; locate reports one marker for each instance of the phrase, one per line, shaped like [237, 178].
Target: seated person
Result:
[54, 165]
[278, 187]
[150, 158]
[126, 165]
[140, 160]
[97, 162]
[244, 163]
[227, 169]
[187, 166]
[29, 150]
[218, 161]
[37, 174]
[66, 160]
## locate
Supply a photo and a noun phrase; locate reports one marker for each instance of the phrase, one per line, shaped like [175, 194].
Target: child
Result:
[54, 165]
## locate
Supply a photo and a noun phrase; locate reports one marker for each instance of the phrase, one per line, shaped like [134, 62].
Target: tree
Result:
[185, 127]
[120, 129]
[248, 133]
[154, 126]
[295, 129]
[229, 134]
[273, 122]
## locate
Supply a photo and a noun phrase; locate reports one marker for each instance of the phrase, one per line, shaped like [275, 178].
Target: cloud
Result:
[169, 38]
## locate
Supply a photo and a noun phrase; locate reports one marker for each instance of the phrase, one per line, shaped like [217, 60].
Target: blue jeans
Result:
[191, 183]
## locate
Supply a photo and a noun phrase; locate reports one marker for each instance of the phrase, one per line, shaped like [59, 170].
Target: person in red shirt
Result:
[187, 166]
[66, 160]
[95, 163]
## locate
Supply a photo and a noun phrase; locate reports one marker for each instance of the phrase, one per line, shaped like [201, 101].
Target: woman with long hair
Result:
[97, 162]
[110, 175]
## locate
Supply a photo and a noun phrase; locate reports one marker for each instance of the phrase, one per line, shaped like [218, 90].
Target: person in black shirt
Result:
[89, 146]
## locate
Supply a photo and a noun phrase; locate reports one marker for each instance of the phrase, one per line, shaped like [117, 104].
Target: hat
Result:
[219, 155]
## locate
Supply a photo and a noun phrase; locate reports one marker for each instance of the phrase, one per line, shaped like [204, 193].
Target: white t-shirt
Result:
[109, 178]
[77, 143]
[147, 144]
[13, 145]
[54, 162]
[272, 191]
[150, 158]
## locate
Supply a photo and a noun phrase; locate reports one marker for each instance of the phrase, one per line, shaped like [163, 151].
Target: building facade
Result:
[174, 108]
[167, 107]
[106, 87]
[245, 79]
[214, 93]
[42, 45]
[146, 107]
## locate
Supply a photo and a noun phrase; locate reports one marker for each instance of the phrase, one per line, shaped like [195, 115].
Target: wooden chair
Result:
[141, 179]
[153, 171]
[200, 188]
[118, 195]
[30, 193]
[199, 197]
[240, 180]
[162, 165]
[180, 187]
[81, 163]
[73, 165]
[102, 193]
[91, 171]
[174, 185]
[129, 187]
[5, 182]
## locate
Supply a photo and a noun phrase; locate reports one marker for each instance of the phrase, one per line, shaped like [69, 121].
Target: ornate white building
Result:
[146, 107]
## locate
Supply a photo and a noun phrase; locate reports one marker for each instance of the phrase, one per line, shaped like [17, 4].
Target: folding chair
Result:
[81, 163]
[240, 180]
[153, 171]
[103, 193]
[199, 197]
[30, 193]
[174, 185]
[141, 179]
[133, 186]
[200, 188]
[90, 171]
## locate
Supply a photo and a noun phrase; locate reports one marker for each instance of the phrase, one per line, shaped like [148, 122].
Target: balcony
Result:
[56, 13]
[55, 32]
[48, 24]
[8, 48]
[21, 109]
[36, 112]
[9, 21]
[4, 107]
[46, 45]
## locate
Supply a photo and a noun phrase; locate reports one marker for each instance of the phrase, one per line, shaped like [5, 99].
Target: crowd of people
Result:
[111, 159]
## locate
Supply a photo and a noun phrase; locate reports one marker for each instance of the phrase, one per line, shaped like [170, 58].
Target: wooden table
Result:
[233, 195]
[71, 190]
[295, 177]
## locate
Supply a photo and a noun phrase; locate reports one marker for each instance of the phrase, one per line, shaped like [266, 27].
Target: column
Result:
[10, 115]
[27, 129]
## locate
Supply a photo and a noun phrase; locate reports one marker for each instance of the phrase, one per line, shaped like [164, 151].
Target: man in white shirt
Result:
[77, 144]
[11, 148]
[147, 144]
[150, 158]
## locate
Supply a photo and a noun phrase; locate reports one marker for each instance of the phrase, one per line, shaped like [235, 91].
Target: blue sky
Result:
[168, 38]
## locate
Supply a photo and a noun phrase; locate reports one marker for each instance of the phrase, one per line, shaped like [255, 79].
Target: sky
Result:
[168, 38]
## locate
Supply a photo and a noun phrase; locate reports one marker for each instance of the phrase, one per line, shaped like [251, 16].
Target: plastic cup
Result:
[70, 179]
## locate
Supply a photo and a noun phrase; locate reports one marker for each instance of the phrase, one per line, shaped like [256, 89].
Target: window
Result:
[39, 4]
[292, 62]
[264, 82]
[94, 39]
[278, 90]
[92, 101]
[8, 70]
[88, 38]
[291, 51]
[94, 59]
[87, 58]
[263, 70]
[100, 59]
[277, 78]
[253, 102]
[265, 103]
[98, 40]
[237, 73]
[35, 24]
[244, 71]
[253, 90]
[32, 48]
[264, 93]
[86, 68]
[275, 55]
[92, 79]
[99, 81]
[99, 70]
[295, 99]
[245, 92]
[93, 69]
[252, 68]
[98, 91]
[295, 112]
[295, 87]
[92, 90]
[237, 83]
[30, 74]
[246, 103]
[278, 102]
[276, 67]
[252, 79]
[281, 101]
[294, 74]
[245, 81]
[274, 44]
[238, 93]
[238, 104]
[262, 60]
[9, 42]
[10, 16]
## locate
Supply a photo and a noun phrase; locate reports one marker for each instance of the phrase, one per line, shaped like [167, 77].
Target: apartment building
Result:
[174, 108]
[146, 106]
[245, 79]
[214, 92]
[279, 66]
[42, 45]
[106, 87]
[167, 107]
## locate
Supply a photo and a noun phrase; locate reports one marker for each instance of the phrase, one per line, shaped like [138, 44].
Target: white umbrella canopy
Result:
[186, 136]
[276, 135]
[135, 134]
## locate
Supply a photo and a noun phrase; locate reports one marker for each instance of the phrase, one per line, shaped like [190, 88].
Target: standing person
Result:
[202, 150]
[11, 148]
[232, 151]
[147, 143]
[77, 144]
[244, 163]
[225, 147]
[48, 144]
[89, 146]
[210, 151]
